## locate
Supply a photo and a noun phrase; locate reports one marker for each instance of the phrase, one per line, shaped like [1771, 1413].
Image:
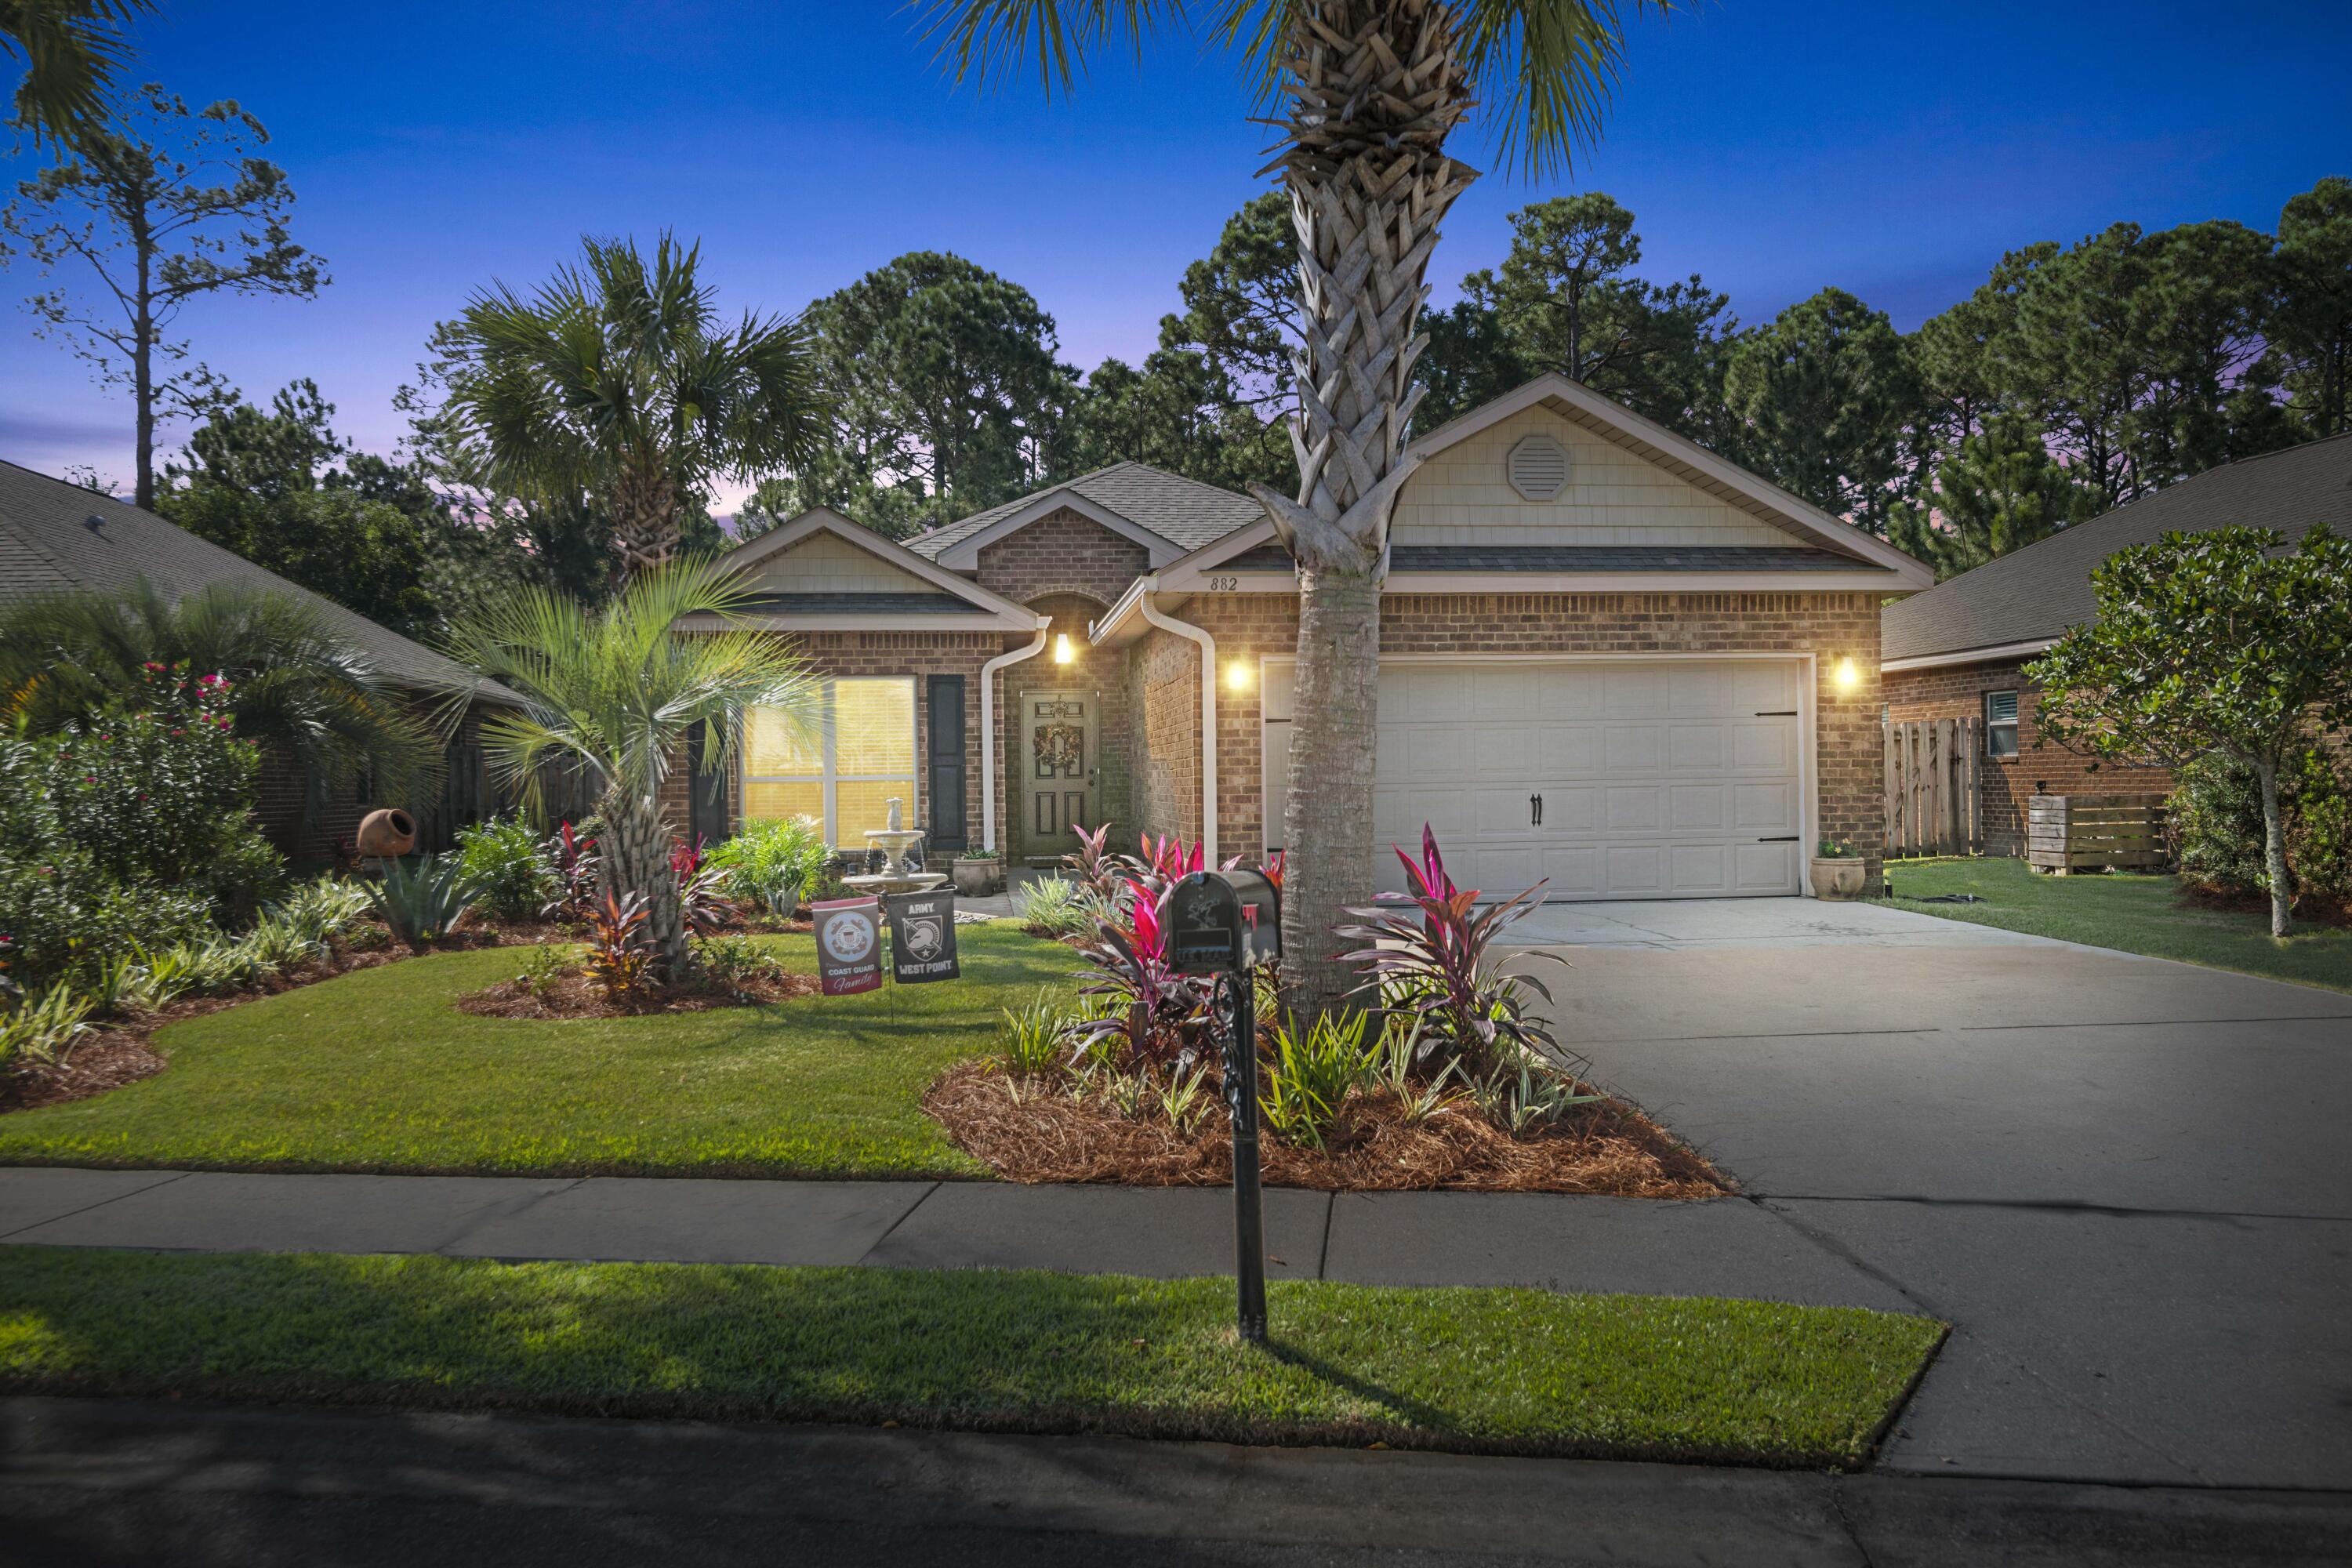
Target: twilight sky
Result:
[1773, 146]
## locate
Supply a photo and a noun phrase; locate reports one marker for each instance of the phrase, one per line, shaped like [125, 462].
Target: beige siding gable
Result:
[1461, 496]
[826, 563]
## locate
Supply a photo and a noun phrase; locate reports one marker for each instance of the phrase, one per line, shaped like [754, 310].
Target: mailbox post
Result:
[1224, 924]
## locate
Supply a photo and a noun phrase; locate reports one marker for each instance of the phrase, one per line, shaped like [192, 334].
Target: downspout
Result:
[990, 754]
[1208, 712]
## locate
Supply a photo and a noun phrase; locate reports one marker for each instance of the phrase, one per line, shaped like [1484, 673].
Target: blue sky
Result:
[1774, 147]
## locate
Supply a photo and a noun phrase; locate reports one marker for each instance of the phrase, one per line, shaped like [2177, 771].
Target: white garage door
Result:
[1613, 778]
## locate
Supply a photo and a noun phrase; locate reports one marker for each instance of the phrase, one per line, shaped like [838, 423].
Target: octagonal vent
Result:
[1537, 468]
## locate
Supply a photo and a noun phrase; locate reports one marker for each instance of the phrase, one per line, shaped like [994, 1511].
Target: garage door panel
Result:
[1700, 808]
[1657, 777]
[1631, 748]
[1568, 752]
[1701, 869]
[1697, 748]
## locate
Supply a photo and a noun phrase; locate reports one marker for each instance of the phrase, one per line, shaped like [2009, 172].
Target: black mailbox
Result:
[1222, 923]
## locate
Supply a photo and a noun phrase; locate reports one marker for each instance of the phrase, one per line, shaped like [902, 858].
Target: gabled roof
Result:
[1680, 456]
[56, 537]
[1167, 513]
[2031, 595]
[957, 598]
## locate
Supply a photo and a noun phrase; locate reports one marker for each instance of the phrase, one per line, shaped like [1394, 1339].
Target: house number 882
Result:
[1223, 585]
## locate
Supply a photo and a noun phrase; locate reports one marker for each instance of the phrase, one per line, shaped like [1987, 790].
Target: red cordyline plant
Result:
[1435, 970]
[620, 947]
[701, 906]
[576, 864]
[1157, 1010]
[1094, 863]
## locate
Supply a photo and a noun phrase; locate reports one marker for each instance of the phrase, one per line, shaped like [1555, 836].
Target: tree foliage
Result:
[159, 207]
[1997, 490]
[2210, 644]
[72, 51]
[616, 383]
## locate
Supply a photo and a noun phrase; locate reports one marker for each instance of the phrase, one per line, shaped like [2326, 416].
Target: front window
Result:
[2000, 723]
[844, 776]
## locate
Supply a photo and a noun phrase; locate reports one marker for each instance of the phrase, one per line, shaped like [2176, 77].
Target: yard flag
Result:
[848, 946]
[922, 937]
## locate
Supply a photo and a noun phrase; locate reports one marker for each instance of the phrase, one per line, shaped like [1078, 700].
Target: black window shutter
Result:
[943, 695]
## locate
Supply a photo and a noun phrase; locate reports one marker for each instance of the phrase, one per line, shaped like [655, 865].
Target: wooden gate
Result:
[1933, 804]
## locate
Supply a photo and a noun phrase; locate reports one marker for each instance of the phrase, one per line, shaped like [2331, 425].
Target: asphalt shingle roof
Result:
[1185, 512]
[2040, 591]
[55, 536]
[1581, 558]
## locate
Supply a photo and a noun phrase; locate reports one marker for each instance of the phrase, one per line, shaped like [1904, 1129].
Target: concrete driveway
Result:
[2128, 1182]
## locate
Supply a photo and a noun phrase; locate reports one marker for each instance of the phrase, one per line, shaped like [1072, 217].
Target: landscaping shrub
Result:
[1054, 907]
[774, 866]
[40, 1027]
[60, 915]
[1029, 1041]
[572, 854]
[1303, 1092]
[2217, 825]
[702, 903]
[732, 960]
[513, 875]
[620, 947]
[420, 900]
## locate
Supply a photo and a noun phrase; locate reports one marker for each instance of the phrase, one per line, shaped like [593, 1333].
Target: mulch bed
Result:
[1034, 1131]
[573, 996]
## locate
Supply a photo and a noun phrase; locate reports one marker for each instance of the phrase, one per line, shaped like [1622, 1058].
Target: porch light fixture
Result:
[1237, 676]
[1062, 652]
[1846, 677]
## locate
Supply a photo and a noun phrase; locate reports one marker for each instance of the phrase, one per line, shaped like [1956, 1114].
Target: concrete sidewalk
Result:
[1727, 1246]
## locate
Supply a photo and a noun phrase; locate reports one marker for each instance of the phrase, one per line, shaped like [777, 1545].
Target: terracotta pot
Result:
[976, 879]
[1844, 877]
[386, 832]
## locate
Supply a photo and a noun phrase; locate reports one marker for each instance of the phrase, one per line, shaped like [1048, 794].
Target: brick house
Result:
[58, 537]
[1607, 658]
[1959, 650]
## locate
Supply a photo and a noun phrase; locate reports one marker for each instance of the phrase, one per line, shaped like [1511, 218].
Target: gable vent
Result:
[1537, 468]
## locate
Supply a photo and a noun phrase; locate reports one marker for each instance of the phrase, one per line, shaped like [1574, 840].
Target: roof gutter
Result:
[989, 750]
[1967, 656]
[1208, 645]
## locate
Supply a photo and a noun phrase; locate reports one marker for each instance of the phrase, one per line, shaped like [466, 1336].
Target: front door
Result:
[1059, 770]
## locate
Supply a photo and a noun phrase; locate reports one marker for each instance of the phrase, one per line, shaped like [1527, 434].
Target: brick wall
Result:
[1956, 691]
[277, 800]
[1847, 745]
[1063, 553]
[1165, 683]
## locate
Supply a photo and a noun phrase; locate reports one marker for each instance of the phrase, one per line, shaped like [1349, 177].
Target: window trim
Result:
[1992, 725]
[828, 777]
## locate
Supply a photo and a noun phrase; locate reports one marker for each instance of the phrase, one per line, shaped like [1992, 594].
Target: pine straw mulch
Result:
[1034, 1131]
[573, 996]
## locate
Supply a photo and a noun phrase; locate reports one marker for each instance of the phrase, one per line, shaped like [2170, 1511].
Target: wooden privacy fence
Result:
[2094, 832]
[1933, 806]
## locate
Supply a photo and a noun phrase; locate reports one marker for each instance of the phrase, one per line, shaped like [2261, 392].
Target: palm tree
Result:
[615, 382]
[71, 50]
[1370, 91]
[617, 693]
[294, 683]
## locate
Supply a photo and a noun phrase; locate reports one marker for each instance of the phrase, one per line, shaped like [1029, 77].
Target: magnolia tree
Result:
[2222, 643]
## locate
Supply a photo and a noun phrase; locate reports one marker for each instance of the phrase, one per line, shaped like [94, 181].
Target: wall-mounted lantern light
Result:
[1846, 676]
[1062, 652]
[1237, 676]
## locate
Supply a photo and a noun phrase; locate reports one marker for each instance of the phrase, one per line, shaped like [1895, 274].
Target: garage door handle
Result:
[1776, 712]
[1784, 838]
[1539, 810]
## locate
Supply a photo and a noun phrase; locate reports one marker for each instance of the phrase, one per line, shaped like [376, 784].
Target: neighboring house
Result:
[1609, 658]
[1959, 650]
[57, 537]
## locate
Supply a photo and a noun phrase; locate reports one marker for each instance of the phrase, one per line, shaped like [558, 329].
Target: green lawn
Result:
[376, 1071]
[2136, 913]
[1501, 1371]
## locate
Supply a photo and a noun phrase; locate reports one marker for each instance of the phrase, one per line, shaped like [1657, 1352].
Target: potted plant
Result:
[978, 873]
[1838, 871]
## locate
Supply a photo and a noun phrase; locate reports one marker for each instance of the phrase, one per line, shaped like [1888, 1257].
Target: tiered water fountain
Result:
[894, 841]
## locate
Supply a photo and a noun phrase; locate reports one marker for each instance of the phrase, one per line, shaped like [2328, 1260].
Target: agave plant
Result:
[1437, 969]
[420, 900]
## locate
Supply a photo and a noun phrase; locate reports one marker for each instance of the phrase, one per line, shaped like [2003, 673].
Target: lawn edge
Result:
[1202, 1425]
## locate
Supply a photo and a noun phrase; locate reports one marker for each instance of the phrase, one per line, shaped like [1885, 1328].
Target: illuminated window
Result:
[845, 775]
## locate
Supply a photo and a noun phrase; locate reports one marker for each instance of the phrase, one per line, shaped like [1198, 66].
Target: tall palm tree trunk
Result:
[1374, 86]
[636, 856]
